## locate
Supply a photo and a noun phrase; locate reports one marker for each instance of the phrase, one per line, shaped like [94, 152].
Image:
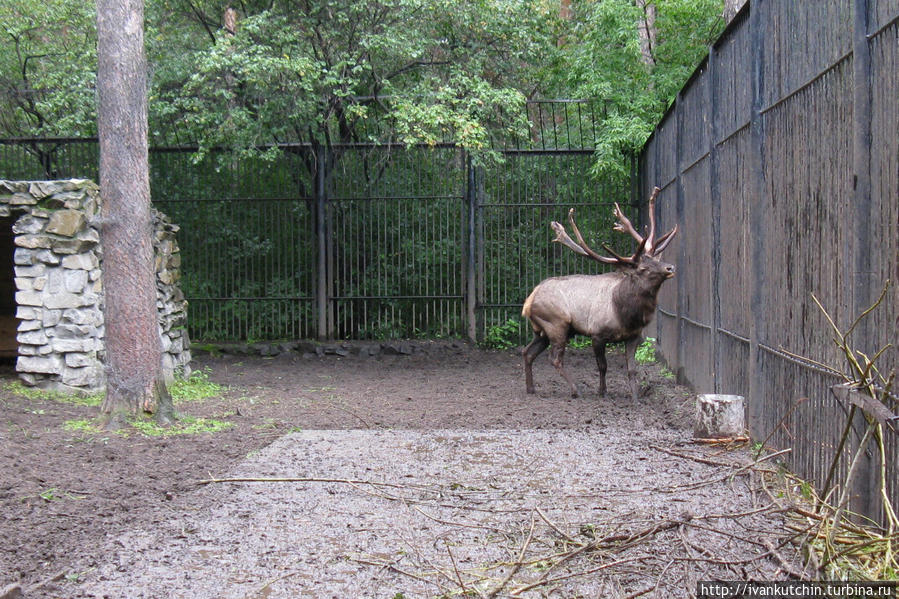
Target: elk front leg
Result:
[599, 351]
[556, 353]
[630, 362]
[530, 353]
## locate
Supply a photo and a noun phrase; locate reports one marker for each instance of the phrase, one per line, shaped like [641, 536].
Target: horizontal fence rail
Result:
[778, 160]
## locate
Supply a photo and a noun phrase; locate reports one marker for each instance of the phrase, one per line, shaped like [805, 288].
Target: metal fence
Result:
[778, 160]
[363, 241]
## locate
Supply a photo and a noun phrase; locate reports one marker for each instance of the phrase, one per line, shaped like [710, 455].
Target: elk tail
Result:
[526, 308]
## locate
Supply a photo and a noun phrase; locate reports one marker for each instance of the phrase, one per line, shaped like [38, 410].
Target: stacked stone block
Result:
[59, 281]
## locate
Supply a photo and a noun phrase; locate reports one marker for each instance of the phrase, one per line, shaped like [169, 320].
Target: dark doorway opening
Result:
[8, 324]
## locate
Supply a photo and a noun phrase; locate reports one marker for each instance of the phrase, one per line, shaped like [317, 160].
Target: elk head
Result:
[648, 247]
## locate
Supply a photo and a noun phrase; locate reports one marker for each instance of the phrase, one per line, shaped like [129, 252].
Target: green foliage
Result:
[47, 68]
[502, 336]
[604, 59]
[342, 70]
[580, 342]
[646, 352]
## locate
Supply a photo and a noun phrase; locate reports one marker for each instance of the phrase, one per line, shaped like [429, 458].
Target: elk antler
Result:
[652, 246]
[646, 245]
[581, 246]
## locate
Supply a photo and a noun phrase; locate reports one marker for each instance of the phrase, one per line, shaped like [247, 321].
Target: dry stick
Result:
[719, 479]
[517, 565]
[345, 481]
[780, 423]
[784, 564]
[393, 568]
[721, 441]
[533, 585]
[844, 496]
[687, 456]
[461, 582]
[553, 526]
[607, 542]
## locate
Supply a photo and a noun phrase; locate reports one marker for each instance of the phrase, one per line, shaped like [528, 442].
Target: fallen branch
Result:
[516, 566]
[533, 585]
[686, 456]
[345, 481]
[721, 440]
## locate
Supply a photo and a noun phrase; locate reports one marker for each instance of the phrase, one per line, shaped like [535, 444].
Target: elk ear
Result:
[664, 240]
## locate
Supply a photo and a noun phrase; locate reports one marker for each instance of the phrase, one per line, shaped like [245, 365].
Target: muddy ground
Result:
[422, 475]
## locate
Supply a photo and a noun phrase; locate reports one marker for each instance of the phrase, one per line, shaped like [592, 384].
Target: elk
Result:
[608, 308]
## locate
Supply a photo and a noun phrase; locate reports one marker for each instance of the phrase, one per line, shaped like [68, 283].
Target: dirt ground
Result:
[423, 475]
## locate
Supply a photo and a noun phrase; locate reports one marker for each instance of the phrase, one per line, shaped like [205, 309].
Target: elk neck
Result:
[635, 300]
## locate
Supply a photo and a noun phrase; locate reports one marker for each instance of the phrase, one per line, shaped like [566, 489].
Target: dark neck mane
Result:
[635, 300]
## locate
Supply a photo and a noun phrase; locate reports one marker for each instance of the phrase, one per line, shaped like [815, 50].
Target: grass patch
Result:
[184, 425]
[33, 393]
[195, 387]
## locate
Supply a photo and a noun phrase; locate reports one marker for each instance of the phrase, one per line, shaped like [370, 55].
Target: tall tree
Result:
[635, 55]
[331, 71]
[133, 349]
[47, 73]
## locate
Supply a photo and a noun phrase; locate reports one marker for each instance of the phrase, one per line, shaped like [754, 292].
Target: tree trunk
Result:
[648, 32]
[133, 349]
[731, 8]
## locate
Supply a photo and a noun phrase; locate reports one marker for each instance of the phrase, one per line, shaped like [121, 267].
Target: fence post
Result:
[682, 247]
[860, 236]
[322, 288]
[757, 209]
[715, 220]
[471, 298]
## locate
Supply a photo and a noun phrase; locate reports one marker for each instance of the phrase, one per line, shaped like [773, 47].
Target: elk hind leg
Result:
[556, 354]
[530, 353]
[599, 352]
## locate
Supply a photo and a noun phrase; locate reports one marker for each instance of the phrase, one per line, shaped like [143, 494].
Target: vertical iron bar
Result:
[321, 289]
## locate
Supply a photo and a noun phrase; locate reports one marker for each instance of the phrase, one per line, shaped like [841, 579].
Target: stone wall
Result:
[59, 281]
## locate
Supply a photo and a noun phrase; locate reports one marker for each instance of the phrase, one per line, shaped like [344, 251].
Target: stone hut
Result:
[51, 286]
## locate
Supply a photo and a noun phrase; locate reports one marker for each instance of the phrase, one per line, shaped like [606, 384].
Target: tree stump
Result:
[719, 416]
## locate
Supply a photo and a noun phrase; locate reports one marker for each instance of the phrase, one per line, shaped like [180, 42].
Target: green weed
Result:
[502, 336]
[195, 387]
[646, 352]
[184, 425]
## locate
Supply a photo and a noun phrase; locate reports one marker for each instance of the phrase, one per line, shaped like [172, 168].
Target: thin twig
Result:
[517, 565]
[558, 531]
[533, 585]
